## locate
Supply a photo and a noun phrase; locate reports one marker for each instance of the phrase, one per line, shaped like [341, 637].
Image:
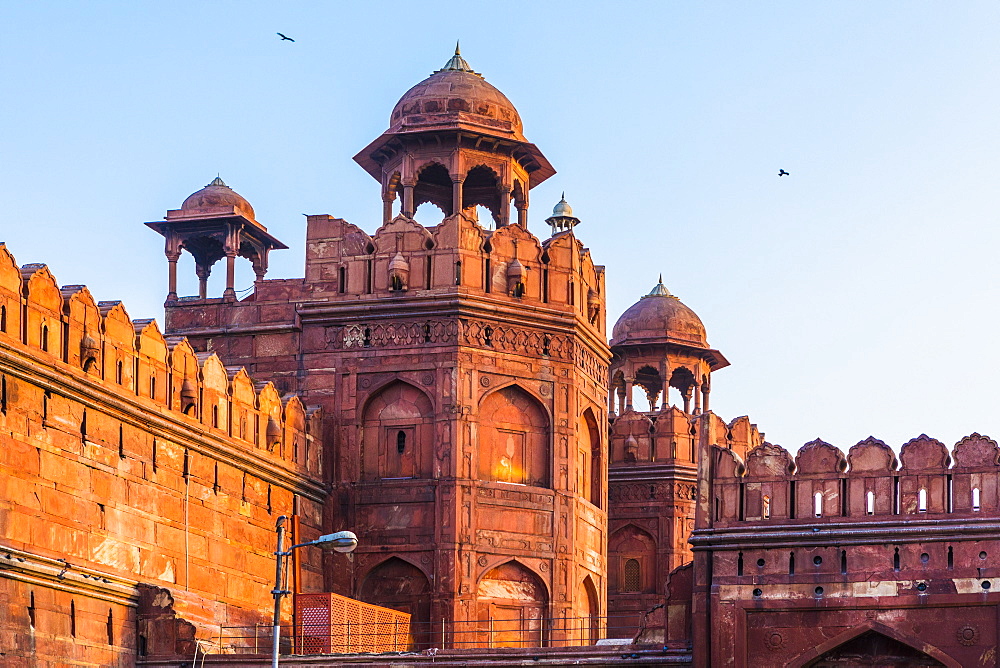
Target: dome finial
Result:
[457, 63]
[217, 181]
[659, 290]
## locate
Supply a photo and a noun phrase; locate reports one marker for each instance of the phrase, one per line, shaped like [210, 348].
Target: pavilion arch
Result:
[512, 604]
[631, 561]
[877, 640]
[433, 185]
[590, 460]
[514, 438]
[399, 584]
[397, 433]
[482, 187]
[650, 380]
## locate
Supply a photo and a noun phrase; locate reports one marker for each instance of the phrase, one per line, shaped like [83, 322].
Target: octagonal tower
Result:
[462, 373]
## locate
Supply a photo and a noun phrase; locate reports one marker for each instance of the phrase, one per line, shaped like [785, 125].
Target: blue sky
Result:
[857, 296]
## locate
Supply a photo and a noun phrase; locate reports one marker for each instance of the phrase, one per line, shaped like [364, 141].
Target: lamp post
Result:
[342, 541]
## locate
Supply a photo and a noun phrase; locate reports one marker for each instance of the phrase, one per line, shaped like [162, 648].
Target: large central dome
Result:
[452, 94]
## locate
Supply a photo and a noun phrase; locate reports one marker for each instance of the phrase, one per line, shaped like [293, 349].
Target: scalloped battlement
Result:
[99, 343]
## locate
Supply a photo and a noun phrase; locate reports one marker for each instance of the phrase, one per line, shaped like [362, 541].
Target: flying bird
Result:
[283, 37]
[782, 172]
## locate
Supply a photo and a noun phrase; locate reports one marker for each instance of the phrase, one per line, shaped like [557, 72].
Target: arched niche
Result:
[397, 433]
[585, 629]
[631, 561]
[589, 465]
[511, 606]
[514, 438]
[400, 585]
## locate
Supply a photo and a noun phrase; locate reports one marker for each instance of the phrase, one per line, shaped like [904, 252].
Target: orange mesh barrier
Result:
[333, 624]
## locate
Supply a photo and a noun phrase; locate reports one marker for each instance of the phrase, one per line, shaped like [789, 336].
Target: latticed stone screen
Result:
[332, 624]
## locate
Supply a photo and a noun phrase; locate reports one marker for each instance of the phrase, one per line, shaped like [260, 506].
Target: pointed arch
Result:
[514, 438]
[482, 187]
[590, 462]
[873, 635]
[397, 433]
[512, 602]
[587, 610]
[398, 584]
[631, 561]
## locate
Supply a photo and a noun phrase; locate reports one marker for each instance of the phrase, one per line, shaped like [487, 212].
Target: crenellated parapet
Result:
[95, 349]
[821, 485]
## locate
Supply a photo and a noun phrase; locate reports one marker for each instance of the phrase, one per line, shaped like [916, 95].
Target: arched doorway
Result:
[512, 603]
[513, 438]
[400, 585]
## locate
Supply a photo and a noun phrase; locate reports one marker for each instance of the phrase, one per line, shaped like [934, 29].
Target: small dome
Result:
[657, 317]
[455, 89]
[217, 195]
[562, 209]
[515, 269]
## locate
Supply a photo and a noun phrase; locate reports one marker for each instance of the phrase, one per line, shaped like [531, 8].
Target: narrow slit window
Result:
[401, 441]
[632, 573]
[72, 618]
[458, 272]
[895, 559]
[3, 317]
[766, 509]
[870, 503]
[342, 280]
[430, 272]
[791, 563]
[44, 342]
[922, 500]
[118, 372]
[111, 627]
[975, 499]
[3, 394]
[152, 386]
[739, 564]
[818, 504]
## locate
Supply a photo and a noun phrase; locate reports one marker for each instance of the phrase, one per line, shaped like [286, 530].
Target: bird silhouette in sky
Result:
[284, 38]
[782, 172]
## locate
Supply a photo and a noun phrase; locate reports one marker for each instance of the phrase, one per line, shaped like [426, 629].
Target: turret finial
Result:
[458, 52]
[457, 63]
[217, 181]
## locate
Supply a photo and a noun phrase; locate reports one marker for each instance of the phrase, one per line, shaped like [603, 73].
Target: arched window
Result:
[632, 580]
[119, 374]
[398, 432]
[152, 386]
[3, 317]
[400, 441]
[870, 503]
[922, 500]
[975, 499]
[215, 416]
[818, 504]
[44, 340]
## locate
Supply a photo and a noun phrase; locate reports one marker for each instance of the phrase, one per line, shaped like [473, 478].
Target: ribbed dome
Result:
[451, 91]
[216, 195]
[657, 317]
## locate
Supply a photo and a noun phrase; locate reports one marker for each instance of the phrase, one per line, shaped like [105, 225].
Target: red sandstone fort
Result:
[453, 396]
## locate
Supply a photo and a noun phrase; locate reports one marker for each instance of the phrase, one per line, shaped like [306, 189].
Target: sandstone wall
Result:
[140, 482]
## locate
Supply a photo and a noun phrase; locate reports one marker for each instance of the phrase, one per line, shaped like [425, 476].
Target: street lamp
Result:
[342, 541]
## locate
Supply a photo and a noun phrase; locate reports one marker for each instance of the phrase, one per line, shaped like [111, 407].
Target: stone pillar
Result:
[504, 207]
[172, 276]
[628, 392]
[706, 389]
[697, 399]
[456, 194]
[687, 399]
[230, 293]
[203, 271]
[386, 209]
[408, 200]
